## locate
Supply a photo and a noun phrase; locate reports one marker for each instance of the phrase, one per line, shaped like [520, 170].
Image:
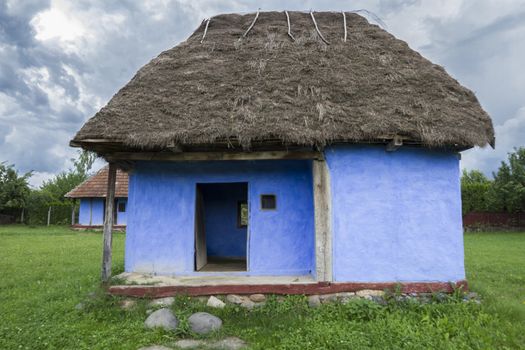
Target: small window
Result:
[121, 207]
[268, 202]
[242, 214]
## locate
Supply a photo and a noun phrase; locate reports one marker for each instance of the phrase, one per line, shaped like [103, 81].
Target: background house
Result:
[92, 194]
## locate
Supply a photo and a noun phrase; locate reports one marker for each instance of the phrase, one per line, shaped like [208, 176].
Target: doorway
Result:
[221, 227]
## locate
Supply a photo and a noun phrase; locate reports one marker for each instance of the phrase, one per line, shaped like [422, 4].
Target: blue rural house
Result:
[291, 152]
[92, 196]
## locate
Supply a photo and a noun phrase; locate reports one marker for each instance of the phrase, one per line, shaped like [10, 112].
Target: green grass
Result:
[45, 272]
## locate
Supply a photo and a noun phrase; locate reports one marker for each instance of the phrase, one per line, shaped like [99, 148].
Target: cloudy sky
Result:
[60, 61]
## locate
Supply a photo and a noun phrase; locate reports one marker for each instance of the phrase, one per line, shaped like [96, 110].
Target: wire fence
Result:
[41, 215]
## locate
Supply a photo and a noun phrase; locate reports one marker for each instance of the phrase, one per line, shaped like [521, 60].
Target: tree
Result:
[51, 193]
[508, 190]
[14, 188]
[473, 177]
[474, 189]
[56, 188]
[84, 163]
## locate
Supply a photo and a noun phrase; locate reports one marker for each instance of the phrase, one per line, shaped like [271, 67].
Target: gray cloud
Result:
[51, 83]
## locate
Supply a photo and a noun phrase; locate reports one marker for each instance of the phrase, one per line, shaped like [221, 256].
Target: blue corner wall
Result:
[84, 216]
[396, 216]
[223, 236]
[91, 211]
[161, 207]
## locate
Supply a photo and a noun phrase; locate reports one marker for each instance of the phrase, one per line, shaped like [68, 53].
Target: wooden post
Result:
[72, 213]
[323, 230]
[108, 223]
[48, 216]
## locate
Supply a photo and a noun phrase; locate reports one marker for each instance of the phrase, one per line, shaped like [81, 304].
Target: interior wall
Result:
[396, 216]
[223, 237]
[161, 215]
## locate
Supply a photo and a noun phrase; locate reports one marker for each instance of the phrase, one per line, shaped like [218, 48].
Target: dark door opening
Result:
[221, 227]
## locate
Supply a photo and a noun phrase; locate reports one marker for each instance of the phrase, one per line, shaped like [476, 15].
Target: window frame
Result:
[274, 201]
[118, 207]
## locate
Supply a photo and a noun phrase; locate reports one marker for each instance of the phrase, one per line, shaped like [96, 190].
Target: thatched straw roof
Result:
[266, 87]
[96, 186]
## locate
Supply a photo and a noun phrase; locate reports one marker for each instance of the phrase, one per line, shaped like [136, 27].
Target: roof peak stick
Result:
[344, 24]
[317, 28]
[289, 27]
[205, 29]
[251, 25]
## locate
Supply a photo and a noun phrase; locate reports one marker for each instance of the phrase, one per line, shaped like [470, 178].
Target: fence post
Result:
[48, 216]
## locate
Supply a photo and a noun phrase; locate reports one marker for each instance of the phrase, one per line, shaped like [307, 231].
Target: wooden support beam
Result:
[108, 224]
[323, 230]
[203, 156]
[394, 144]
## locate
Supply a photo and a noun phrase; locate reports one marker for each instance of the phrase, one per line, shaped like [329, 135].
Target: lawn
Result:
[45, 272]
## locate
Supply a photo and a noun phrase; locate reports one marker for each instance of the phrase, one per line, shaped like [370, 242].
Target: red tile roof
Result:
[96, 185]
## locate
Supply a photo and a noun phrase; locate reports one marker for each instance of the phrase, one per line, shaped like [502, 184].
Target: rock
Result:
[234, 299]
[379, 300]
[79, 306]
[204, 323]
[162, 318]
[189, 344]
[328, 298]
[215, 302]
[472, 295]
[155, 347]
[127, 304]
[345, 294]
[314, 301]
[248, 304]
[230, 343]
[257, 298]
[440, 297]
[163, 302]
[280, 299]
[149, 311]
[345, 297]
[370, 293]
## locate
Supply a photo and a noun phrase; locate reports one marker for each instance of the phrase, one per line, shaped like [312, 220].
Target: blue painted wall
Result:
[223, 237]
[122, 215]
[97, 208]
[396, 216]
[161, 207]
[91, 211]
[84, 211]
